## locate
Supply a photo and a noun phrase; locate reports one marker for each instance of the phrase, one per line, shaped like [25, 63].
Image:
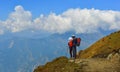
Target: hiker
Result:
[70, 44]
[73, 42]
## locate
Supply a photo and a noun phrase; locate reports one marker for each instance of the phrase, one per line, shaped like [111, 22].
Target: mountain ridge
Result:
[102, 47]
[92, 59]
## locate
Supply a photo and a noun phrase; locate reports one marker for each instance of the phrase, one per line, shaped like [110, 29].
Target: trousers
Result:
[73, 51]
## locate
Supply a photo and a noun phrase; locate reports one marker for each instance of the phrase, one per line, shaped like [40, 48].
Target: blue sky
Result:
[59, 16]
[38, 7]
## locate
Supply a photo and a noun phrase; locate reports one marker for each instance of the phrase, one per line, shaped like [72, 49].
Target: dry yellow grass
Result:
[102, 47]
[92, 59]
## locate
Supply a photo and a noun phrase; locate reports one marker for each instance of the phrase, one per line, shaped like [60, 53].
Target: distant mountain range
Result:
[22, 54]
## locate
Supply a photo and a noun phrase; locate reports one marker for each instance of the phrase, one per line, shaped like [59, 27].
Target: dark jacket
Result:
[74, 41]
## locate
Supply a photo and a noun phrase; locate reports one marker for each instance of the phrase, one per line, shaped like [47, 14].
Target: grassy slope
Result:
[60, 64]
[102, 47]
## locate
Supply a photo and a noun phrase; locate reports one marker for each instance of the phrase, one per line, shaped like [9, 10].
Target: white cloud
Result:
[78, 20]
[53, 23]
[90, 20]
[18, 20]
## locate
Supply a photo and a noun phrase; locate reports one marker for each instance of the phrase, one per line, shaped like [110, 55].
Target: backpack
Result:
[70, 43]
[78, 41]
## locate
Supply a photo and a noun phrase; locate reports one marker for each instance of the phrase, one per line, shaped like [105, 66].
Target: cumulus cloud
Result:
[78, 20]
[53, 23]
[90, 20]
[18, 20]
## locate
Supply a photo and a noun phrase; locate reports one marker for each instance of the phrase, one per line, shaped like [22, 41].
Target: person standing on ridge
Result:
[72, 43]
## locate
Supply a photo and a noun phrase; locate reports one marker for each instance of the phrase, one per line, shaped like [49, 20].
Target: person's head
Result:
[73, 36]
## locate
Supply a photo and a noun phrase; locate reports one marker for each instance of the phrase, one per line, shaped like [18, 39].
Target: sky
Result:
[38, 7]
[59, 16]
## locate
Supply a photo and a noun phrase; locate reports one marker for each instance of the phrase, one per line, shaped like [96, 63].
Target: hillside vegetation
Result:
[102, 56]
[102, 47]
[60, 64]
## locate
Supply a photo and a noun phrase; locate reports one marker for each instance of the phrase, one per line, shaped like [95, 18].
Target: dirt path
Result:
[97, 65]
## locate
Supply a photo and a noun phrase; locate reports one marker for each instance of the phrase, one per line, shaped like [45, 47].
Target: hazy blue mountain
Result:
[22, 54]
